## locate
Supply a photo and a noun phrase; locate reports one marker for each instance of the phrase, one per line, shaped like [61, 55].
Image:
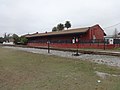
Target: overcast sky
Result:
[29, 16]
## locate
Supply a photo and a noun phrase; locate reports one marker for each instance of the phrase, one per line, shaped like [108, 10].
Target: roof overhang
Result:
[59, 33]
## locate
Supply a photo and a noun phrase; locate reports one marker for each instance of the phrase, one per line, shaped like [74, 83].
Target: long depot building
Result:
[68, 38]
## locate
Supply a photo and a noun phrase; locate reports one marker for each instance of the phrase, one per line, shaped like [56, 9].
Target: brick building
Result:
[64, 39]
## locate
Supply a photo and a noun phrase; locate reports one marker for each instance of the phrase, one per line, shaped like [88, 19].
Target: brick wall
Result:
[96, 31]
[63, 45]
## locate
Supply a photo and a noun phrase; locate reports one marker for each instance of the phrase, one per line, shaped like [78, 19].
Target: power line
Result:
[112, 25]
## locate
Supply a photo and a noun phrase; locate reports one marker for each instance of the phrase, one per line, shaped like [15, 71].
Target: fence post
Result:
[104, 44]
[98, 42]
[77, 46]
[48, 42]
[77, 43]
[90, 42]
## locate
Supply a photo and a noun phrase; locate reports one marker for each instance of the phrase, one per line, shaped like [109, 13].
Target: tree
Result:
[60, 27]
[23, 40]
[115, 34]
[119, 33]
[6, 37]
[67, 24]
[1, 39]
[54, 29]
[16, 38]
[20, 40]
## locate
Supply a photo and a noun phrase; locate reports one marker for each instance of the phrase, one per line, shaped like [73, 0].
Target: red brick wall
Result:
[63, 45]
[97, 31]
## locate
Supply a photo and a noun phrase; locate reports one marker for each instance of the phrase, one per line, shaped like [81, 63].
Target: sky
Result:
[30, 16]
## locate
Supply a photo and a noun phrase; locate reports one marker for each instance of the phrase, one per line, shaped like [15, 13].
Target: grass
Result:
[21, 70]
[117, 49]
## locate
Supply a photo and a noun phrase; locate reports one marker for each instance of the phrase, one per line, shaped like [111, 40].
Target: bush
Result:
[23, 40]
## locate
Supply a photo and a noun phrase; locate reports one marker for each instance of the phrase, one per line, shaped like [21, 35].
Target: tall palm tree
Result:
[54, 29]
[60, 27]
[67, 24]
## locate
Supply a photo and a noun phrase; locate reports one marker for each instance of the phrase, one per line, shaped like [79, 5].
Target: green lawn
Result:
[21, 70]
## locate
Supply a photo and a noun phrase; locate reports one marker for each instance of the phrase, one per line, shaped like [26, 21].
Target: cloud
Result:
[27, 16]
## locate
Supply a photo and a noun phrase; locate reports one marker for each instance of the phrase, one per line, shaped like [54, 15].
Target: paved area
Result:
[101, 59]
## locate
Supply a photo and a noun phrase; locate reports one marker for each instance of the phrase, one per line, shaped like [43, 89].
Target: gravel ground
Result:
[105, 75]
[101, 59]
